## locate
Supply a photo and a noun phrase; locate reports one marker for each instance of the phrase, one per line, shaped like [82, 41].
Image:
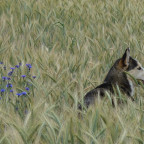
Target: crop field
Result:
[52, 52]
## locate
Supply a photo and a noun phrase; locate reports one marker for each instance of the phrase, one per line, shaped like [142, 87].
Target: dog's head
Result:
[132, 66]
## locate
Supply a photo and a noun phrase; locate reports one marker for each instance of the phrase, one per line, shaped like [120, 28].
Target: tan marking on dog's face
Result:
[124, 61]
[121, 65]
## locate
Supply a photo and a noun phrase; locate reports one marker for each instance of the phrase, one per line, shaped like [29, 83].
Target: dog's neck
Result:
[122, 80]
[131, 87]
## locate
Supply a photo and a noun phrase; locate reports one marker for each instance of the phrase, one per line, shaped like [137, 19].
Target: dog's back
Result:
[100, 90]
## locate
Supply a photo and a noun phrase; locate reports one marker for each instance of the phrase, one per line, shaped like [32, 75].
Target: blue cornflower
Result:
[1, 62]
[9, 85]
[4, 67]
[11, 90]
[29, 66]
[12, 68]
[17, 66]
[20, 64]
[8, 78]
[0, 98]
[2, 90]
[10, 73]
[23, 76]
[24, 93]
[19, 94]
[27, 88]
[34, 77]
[4, 78]
[16, 108]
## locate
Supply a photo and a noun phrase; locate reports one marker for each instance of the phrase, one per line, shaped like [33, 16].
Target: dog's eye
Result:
[139, 68]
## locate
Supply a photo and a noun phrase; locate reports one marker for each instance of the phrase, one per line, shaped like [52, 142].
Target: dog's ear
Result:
[126, 57]
[124, 62]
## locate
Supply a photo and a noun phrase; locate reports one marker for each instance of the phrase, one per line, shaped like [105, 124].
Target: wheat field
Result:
[69, 45]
